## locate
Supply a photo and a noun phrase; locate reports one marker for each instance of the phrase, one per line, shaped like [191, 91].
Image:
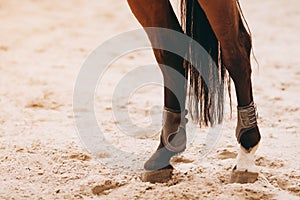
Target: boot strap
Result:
[247, 119]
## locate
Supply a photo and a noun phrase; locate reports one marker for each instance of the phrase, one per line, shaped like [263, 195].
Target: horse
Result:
[221, 29]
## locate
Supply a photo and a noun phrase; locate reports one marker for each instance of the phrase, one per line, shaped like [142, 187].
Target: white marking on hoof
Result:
[245, 160]
[245, 170]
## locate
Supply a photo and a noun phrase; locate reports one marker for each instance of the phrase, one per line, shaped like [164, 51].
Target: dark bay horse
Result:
[218, 26]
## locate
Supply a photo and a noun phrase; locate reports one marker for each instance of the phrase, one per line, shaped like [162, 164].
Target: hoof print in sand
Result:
[105, 187]
[225, 154]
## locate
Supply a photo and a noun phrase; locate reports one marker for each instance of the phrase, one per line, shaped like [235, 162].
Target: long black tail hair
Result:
[205, 96]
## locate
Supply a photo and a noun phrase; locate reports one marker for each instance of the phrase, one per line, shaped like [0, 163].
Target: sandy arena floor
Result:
[42, 47]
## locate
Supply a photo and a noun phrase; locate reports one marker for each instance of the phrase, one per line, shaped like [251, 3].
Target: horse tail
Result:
[205, 95]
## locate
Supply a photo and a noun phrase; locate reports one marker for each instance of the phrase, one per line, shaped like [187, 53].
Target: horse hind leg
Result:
[235, 41]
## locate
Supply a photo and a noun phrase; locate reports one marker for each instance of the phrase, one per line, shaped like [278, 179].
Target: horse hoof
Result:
[157, 176]
[243, 177]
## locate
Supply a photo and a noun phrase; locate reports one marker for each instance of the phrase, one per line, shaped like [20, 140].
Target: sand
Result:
[43, 45]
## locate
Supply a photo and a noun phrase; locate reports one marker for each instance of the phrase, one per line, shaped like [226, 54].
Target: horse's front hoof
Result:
[159, 160]
[158, 176]
[243, 176]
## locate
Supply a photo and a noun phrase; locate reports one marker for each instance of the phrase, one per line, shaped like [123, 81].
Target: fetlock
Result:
[172, 140]
[247, 131]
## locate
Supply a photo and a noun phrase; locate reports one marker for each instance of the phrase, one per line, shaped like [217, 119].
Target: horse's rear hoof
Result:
[157, 176]
[243, 177]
